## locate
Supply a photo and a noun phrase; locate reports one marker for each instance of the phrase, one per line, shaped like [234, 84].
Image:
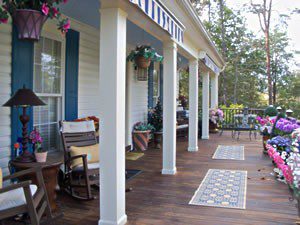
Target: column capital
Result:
[193, 62]
[170, 44]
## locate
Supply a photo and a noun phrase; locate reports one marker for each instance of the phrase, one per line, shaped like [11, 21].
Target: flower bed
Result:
[284, 150]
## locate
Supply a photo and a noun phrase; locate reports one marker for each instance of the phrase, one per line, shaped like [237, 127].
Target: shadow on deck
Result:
[158, 199]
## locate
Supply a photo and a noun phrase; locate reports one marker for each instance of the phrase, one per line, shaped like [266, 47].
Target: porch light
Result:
[24, 98]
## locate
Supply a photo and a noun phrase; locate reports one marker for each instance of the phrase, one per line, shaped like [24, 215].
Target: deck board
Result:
[160, 199]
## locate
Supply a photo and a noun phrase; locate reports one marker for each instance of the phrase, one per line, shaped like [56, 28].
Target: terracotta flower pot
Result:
[41, 156]
[29, 23]
[142, 62]
[140, 140]
[213, 127]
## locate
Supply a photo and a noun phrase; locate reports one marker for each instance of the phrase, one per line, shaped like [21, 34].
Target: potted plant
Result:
[143, 55]
[141, 136]
[36, 141]
[30, 16]
[155, 118]
[215, 117]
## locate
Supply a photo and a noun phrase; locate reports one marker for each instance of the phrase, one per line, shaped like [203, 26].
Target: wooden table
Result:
[50, 171]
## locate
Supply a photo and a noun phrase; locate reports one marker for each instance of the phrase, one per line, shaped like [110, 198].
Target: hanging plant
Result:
[29, 16]
[143, 55]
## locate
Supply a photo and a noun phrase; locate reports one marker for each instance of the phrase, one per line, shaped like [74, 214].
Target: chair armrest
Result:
[15, 186]
[22, 173]
[84, 160]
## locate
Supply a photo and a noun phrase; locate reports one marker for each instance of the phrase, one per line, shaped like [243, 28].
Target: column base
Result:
[193, 149]
[169, 171]
[121, 221]
[205, 137]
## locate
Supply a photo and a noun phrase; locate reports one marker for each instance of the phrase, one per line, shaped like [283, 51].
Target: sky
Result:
[279, 7]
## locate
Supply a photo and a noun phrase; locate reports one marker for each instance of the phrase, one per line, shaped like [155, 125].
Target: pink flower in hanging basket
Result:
[55, 12]
[3, 20]
[45, 9]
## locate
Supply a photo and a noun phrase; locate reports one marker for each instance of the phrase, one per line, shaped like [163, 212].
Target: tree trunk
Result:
[268, 65]
[224, 50]
[235, 84]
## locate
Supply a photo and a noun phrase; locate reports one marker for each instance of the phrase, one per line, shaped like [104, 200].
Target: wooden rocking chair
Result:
[23, 197]
[86, 175]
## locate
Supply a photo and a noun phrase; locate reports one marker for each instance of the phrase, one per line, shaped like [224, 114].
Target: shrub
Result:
[271, 111]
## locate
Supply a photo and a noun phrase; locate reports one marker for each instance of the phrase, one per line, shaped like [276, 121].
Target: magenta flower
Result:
[45, 9]
[287, 173]
[55, 12]
[3, 20]
[67, 25]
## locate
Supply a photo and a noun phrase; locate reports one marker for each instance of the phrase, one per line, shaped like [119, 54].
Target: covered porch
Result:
[158, 199]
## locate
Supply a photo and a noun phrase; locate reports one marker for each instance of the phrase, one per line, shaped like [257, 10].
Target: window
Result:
[156, 72]
[47, 84]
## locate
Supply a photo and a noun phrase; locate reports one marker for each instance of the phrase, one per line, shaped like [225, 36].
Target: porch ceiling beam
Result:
[112, 113]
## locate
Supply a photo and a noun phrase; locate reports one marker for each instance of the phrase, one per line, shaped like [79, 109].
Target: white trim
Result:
[169, 171]
[121, 221]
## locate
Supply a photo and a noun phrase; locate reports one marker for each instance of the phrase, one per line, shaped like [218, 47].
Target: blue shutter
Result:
[71, 81]
[22, 74]
[150, 85]
[161, 83]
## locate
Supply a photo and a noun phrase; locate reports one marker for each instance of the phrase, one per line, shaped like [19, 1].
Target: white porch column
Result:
[205, 105]
[193, 106]
[169, 108]
[214, 91]
[112, 114]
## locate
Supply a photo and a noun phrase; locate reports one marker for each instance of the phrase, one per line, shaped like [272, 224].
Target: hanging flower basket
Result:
[30, 16]
[142, 62]
[29, 23]
[143, 55]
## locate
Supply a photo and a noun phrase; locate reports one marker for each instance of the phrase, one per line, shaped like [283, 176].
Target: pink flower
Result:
[278, 160]
[55, 12]
[45, 9]
[271, 151]
[65, 1]
[67, 26]
[287, 173]
[3, 20]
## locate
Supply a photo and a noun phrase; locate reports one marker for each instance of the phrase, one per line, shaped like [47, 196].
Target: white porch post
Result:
[205, 105]
[112, 114]
[193, 106]
[169, 108]
[214, 91]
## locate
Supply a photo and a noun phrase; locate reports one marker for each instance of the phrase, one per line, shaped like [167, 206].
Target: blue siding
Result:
[22, 74]
[150, 86]
[71, 81]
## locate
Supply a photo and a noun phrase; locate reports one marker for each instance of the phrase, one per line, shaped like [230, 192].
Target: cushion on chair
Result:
[15, 198]
[77, 127]
[91, 151]
[1, 178]
[90, 166]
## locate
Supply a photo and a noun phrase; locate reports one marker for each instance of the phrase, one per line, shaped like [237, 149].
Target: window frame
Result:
[60, 96]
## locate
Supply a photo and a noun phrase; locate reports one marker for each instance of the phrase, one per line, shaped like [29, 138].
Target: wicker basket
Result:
[142, 62]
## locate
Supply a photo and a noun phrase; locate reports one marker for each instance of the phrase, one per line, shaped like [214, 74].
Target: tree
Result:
[264, 12]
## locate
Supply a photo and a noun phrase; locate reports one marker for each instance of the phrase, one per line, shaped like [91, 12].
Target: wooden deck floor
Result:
[159, 199]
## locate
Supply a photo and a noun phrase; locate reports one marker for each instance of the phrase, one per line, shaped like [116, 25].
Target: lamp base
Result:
[26, 157]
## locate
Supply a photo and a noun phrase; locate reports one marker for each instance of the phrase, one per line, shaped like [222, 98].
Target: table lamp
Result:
[24, 98]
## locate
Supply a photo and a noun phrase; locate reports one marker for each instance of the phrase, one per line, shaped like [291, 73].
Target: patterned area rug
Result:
[234, 152]
[222, 188]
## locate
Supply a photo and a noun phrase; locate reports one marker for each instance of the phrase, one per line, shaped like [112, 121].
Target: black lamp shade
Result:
[24, 97]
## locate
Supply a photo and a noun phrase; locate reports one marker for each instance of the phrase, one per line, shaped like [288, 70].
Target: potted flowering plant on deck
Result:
[143, 55]
[141, 136]
[265, 126]
[36, 140]
[30, 16]
[155, 118]
[215, 117]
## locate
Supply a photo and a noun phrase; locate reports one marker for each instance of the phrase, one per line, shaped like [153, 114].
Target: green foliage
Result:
[143, 127]
[147, 52]
[155, 117]
[271, 111]
[232, 106]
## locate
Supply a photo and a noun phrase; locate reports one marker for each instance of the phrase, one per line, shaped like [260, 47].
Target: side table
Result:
[50, 171]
